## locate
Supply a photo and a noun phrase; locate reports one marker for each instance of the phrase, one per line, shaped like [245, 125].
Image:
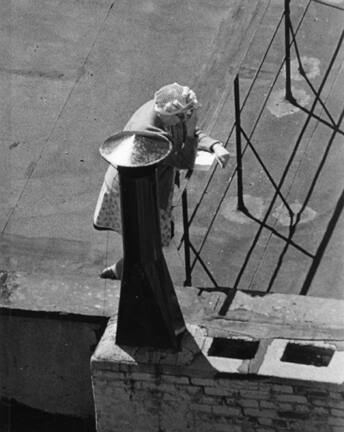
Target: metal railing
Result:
[290, 41]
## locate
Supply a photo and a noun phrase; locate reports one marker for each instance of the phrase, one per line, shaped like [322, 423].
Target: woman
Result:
[173, 114]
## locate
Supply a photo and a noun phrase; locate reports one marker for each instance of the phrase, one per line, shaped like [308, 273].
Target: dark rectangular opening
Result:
[233, 348]
[307, 354]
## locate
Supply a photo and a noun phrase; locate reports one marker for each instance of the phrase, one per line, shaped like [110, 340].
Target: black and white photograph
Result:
[172, 216]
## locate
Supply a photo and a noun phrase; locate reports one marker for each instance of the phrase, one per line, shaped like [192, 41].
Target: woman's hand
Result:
[221, 154]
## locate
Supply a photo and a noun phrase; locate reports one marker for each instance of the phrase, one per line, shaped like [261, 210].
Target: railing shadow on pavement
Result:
[295, 217]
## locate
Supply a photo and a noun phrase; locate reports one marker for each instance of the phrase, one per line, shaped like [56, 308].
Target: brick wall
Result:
[141, 390]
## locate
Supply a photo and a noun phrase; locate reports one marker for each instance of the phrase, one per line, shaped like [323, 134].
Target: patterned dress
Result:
[107, 215]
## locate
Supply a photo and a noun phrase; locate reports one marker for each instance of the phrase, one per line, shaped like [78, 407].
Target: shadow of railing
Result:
[295, 217]
[323, 244]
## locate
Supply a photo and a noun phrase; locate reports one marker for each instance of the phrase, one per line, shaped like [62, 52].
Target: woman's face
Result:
[184, 116]
[177, 118]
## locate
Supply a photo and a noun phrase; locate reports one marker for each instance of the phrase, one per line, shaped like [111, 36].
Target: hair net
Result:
[174, 99]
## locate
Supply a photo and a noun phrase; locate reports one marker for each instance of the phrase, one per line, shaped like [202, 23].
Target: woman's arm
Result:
[209, 144]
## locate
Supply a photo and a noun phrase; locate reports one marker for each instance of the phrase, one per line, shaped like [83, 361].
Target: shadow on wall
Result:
[16, 417]
[44, 364]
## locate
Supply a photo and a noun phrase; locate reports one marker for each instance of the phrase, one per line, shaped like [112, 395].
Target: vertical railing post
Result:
[187, 258]
[240, 204]
[288, 93]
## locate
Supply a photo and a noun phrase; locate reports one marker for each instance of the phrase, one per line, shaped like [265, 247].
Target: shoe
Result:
[109, 273]
[113, 272]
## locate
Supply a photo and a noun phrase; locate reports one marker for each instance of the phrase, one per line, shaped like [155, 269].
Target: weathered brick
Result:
[109, 390]
[249, 403]
[309, 426]
[267, 404]
[280, 424]
[203, 382]
[208, 400]
[291, 398]
[146, 385]
[294, 415]
[279, 388]
[115, 375]
[319, 402]
[257, 395]
[127, 367]
[191, 390]
[216, 391]
[336, 404]
[201, 408]
[170, 397]
[319, 394]
[226, 410]
[335, 421]
[174, 379]
[237, 385]
[284, 406]
[183, 395]
[265, 421]
[265, 429]
[102, 366]
[224, 428]
[301, 389]
[119, 384]
[231, 401]
[205, 417]
[302, 408]
[337, 413]
[253, 412]
[140, 376]
[269, 413]
[320, 411]
[167, 388]
[247, 427]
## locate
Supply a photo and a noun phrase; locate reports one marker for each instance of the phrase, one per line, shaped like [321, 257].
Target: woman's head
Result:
[175, 103]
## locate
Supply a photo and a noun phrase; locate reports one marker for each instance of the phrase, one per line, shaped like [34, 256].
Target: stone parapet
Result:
[222, 381]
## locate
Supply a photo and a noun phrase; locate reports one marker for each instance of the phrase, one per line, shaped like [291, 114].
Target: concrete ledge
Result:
[143, 389]
[40, 317]
[278, 316]
[195, 355]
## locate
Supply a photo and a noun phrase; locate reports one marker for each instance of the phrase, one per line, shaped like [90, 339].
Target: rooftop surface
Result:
[71, 75]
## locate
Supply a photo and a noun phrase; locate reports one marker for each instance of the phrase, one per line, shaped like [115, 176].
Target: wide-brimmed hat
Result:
[135, 149]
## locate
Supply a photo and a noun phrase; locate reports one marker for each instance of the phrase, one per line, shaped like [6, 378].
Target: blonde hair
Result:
[173, 99]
